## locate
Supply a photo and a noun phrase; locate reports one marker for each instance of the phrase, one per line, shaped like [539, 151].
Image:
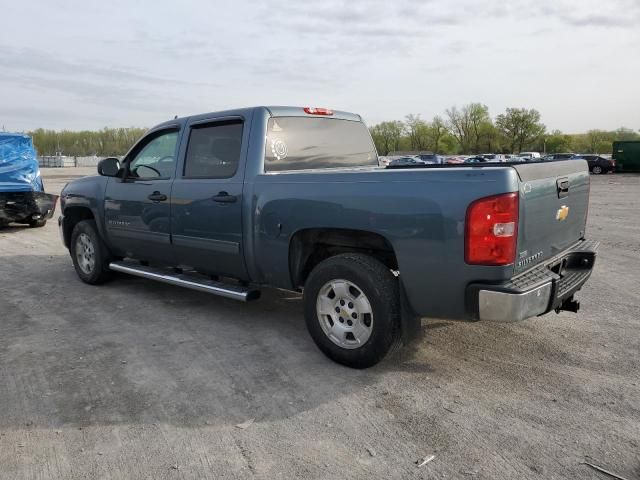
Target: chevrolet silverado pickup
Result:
[294, 198]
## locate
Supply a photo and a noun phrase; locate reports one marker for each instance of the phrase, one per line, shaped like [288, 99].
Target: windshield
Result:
[300, 143]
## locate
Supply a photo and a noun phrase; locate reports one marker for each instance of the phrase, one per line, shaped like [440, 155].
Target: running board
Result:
[193, 281]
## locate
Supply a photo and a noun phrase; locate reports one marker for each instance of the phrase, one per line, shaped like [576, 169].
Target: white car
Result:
[530, 155]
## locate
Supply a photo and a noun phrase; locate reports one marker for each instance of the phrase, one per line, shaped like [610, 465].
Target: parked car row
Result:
[410, 159]
[434, 159]
[597, 163]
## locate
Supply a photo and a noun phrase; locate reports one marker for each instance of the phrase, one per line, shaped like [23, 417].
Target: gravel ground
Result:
[136, 379]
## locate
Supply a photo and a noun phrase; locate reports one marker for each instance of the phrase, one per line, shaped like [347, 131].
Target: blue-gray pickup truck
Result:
[294, 198]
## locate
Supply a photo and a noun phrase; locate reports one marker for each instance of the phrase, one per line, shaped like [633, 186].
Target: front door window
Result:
[157, 158]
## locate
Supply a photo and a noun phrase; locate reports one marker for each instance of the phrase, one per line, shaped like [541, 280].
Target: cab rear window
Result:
[299, 143]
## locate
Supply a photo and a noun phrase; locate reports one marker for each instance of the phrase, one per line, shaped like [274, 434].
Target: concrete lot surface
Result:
[135, 379]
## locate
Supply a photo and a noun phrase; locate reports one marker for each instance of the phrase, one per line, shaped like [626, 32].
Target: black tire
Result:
[379, 286]
[37, 223]
[100, 272]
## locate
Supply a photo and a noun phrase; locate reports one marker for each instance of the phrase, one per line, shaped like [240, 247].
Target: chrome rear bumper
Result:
[547, 287]
[511, 307]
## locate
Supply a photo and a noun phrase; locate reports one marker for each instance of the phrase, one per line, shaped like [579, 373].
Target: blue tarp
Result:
[19, 170]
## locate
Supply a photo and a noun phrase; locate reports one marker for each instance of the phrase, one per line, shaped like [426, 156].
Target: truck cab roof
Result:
[272, 111]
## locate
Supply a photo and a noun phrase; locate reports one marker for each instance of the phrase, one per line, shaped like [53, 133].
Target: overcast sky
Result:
[85, 65]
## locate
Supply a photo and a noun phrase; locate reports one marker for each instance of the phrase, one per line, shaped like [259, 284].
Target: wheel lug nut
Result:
[337, 309]
[342, 302]
[350, 305]
[341, 320]
[349, 322]
[354, 315]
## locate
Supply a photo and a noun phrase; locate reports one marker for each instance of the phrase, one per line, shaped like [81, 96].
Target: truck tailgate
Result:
[554, 199]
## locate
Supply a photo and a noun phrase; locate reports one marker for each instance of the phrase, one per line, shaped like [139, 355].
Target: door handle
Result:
[157, 197]
[224, 197]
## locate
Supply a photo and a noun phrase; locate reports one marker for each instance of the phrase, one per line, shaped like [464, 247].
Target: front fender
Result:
[87, 194]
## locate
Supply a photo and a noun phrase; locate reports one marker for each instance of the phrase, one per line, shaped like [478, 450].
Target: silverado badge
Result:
[562, 213]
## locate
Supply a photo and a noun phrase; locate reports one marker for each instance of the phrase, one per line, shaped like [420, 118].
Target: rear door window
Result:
[213, 150]
[300, 143]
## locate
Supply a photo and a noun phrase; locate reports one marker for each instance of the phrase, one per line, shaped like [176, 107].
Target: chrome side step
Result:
[193, 281]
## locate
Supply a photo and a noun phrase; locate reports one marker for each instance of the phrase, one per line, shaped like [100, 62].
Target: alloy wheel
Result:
[345, 313]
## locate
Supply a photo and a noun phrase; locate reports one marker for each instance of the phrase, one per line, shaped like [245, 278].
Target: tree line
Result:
[470, 129]
[465, 130]
[105, 142]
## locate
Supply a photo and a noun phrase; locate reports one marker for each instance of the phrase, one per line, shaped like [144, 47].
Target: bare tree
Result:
[459, 126]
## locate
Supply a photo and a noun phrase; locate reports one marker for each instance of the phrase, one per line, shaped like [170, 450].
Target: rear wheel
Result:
[90, 255]
[597, 169]
[352, 309]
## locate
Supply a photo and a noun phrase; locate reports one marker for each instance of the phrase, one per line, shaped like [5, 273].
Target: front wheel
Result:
[352, 309]
[597, 169]
[89, 253]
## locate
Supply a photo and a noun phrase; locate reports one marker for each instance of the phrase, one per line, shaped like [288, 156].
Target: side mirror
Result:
[109, 167]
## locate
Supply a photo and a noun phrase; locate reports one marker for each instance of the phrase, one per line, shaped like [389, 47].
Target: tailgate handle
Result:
[563, 187]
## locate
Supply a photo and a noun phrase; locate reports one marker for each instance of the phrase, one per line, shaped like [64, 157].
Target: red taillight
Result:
[491, 230]
[317, 111]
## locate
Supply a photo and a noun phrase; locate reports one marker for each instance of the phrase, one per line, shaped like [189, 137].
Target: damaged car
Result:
[22, 195]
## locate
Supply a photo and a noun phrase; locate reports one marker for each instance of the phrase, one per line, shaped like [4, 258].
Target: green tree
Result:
[466, 125]
[598, 141]
[108, 141]
[387, 136]
[448, 144]
[488, 140]
[520, 127]
[558, 142]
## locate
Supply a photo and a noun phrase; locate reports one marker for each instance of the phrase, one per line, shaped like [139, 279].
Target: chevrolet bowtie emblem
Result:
[562, 213]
